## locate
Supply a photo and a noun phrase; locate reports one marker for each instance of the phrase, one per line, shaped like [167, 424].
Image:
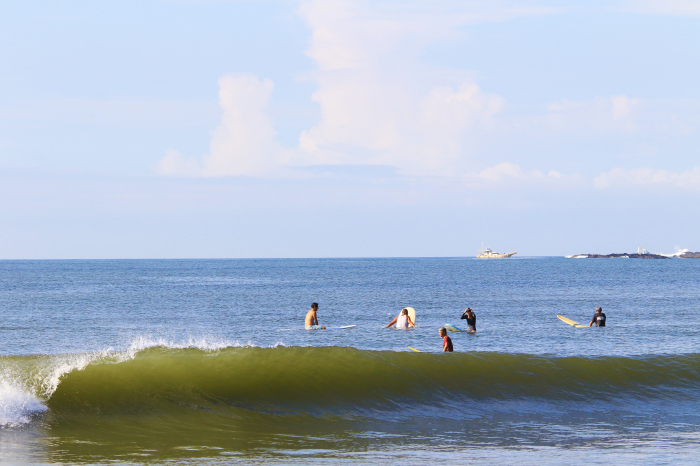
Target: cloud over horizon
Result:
[379, 104]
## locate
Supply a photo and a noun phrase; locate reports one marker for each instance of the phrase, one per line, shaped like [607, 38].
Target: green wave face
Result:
[342, 380]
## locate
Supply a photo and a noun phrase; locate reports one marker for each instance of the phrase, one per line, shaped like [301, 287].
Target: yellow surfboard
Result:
[413, 349]
[570, 322]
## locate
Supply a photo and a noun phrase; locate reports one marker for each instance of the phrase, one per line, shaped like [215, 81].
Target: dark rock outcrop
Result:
[631, 256]
[690, 255]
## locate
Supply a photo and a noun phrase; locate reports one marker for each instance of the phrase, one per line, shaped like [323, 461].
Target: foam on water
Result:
[17, 406]
[27, 382]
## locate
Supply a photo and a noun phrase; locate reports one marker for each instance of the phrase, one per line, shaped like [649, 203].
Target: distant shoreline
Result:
[686, 255]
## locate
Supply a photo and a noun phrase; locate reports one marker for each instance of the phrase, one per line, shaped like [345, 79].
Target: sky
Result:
[347, 128]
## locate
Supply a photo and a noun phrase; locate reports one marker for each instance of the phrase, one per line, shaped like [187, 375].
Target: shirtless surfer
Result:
[311, 322]
[403, 320]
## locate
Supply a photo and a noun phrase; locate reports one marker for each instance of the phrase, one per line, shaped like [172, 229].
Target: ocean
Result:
[208, 362]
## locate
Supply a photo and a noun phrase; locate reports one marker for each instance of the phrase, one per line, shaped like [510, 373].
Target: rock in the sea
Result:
[625, 255]
[690, 255]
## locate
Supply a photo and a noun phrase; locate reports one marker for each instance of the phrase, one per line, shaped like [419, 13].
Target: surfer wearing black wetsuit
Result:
[471, 319]
[598, 318]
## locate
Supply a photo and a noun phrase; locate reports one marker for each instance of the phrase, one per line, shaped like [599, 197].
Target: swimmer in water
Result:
[446, 341]
[311, 322]
[402, 320]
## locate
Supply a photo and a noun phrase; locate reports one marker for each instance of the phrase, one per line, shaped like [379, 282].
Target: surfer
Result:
[403, 320]
[446, 341]
[471, 320]
[598, 318]
[311, 321]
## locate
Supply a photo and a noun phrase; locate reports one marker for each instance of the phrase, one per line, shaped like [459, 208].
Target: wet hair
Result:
[404, 311]
[442, 330]
[314, 305]
[599, 309]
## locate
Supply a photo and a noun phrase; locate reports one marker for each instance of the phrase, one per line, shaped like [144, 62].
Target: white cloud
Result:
[379, 104]
[243, 143]
[509, 173]
[648, 178]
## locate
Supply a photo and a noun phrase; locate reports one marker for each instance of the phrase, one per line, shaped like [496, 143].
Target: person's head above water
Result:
[442, 331]
[598, 309]
[469, 309]
[404, 312]
[314, 306]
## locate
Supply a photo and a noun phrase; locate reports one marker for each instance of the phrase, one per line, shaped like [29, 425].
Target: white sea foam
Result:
[17, 406]
[201, 343]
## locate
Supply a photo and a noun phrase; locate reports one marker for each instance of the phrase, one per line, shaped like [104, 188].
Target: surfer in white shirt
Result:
[402, 320]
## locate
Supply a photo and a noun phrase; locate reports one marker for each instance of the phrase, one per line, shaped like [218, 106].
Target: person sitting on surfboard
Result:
[311, 322]
[446, 341]
[598, 318]
[403, 320]
[471, 319]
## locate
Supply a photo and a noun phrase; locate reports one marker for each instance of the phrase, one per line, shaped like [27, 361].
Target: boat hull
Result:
[496, 255]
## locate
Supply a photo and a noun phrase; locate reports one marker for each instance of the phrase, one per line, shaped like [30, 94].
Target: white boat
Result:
[487, 253]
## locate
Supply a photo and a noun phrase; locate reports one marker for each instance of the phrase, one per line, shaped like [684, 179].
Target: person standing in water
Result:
[311, 321]
[471, 320]
[598, 318]
[402, 320]
[446, 341]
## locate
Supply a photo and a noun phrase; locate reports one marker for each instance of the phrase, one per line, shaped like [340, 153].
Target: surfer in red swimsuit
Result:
[446, 341]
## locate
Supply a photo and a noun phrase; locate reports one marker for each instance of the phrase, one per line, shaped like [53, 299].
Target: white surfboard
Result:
[327, 328]
[452, 328]
[411, 314]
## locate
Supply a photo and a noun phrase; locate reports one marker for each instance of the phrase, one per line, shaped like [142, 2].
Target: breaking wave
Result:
[161, 377]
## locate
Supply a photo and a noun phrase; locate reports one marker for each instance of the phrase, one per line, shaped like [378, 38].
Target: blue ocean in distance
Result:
[207, 362]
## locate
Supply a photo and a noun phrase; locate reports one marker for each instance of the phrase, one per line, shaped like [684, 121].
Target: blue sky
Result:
[347, 128]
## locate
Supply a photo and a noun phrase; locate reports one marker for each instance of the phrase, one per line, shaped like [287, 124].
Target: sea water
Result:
[207, 362]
